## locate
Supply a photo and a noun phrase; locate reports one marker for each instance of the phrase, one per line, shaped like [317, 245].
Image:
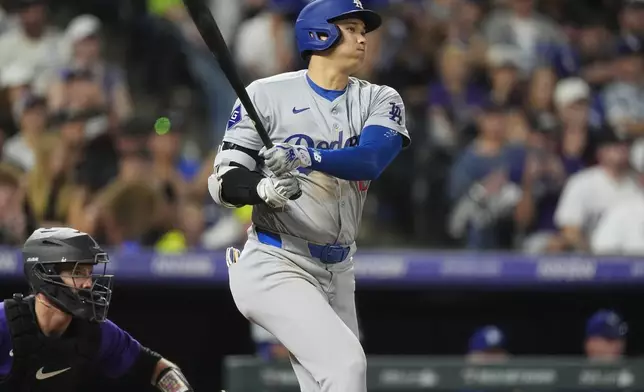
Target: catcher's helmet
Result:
[316, 20]
[50, 253]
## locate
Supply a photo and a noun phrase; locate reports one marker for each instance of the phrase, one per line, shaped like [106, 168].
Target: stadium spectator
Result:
[453, 100]
[592, 191]
[503, 63]
[572, 97]
[522, 26]
[623, 99]
[52, 179]
[589, 53]
[14, 218]
[619, 229]
[606, 334]
[17, 79]
[487, 345]
[83, 35]
[257, 47]
[541, 86]
[19, 150]
[464, 29]
[544, 171]
[481, 188]
[208, 76]
[33, 42]
[630, 20]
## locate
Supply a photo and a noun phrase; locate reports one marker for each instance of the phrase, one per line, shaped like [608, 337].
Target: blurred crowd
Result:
[527, 121]
[603, 339]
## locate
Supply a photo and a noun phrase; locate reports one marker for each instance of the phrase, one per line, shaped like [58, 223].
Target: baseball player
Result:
[51, 340]
[606, 334]
[487, 344]
[332, 135]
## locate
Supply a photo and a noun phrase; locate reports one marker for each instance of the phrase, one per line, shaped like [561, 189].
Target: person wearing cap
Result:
[83, 37]
[605, 336]
[503, 66]
[481, 186]
[16, 79]
[589, 193]
[487, 344]
[579, 122]
[623, 99]
[572, 97]
[35, 42]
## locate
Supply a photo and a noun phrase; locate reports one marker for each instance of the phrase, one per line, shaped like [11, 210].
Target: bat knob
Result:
[297, 195]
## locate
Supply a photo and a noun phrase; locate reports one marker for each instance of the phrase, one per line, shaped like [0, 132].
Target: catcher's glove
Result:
[232, 255]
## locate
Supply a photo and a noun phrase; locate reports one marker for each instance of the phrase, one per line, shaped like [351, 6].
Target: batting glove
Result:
[283, 158]
[276, 192]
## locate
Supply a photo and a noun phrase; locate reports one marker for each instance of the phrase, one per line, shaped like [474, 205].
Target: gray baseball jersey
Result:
[329, 210]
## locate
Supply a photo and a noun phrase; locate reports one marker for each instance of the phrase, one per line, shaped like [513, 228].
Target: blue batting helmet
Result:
[316, 20]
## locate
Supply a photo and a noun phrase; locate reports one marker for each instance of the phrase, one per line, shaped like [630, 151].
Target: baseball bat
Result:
[211, 35]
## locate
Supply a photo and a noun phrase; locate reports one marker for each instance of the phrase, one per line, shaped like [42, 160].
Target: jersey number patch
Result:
[395, 114]
[235, 117]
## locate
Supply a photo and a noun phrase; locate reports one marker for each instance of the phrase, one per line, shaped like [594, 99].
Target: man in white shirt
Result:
[34, 42]
[621, 229]
[591, 192]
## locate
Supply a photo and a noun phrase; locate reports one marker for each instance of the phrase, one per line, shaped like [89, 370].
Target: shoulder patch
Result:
[235, 117]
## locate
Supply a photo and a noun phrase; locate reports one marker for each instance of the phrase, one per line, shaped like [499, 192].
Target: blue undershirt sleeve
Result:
[377, 149]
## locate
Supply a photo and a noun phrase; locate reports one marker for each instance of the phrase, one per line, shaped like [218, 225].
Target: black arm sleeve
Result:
[239, 185]
[143, 368]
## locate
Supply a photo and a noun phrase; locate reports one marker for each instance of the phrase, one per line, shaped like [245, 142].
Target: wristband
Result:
[172, 380]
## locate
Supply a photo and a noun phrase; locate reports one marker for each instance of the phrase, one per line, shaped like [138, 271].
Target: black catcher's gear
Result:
[51, 253]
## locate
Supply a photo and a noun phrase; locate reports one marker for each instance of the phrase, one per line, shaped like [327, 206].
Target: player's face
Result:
[78, 276]
[604, 349]
[353, 46]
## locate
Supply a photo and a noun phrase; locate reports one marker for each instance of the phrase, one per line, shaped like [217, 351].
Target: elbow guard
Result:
[234, 182]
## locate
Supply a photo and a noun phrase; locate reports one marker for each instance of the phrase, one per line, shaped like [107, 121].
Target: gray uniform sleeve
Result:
[388, 110]
[240, 129]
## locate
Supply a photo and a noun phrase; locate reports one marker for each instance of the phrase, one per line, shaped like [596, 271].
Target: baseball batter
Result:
[333, 134]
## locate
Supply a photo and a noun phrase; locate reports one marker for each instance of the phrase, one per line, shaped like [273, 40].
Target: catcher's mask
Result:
[69, 268]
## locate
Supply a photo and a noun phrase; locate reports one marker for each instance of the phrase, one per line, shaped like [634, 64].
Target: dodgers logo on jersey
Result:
[395, 114]
[235, 117]
[301, 139]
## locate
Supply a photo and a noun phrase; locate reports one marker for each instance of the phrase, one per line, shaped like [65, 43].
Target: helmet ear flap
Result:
[311, 40]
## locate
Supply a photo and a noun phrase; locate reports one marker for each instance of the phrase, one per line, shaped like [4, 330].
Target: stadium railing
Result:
[407, 374]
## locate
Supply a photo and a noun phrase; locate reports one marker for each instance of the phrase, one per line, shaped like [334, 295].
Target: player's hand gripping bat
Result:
[211, 35]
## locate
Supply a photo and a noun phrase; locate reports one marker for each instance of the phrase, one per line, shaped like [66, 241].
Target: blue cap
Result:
[486, 338]
[606, 324]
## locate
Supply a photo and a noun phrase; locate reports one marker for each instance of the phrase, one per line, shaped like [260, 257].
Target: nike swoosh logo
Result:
[40, 375]
[296, 111]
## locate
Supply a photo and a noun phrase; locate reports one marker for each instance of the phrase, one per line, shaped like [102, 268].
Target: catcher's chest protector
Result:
[43, 364]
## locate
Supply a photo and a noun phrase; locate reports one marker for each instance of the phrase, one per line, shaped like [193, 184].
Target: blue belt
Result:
[329, 254]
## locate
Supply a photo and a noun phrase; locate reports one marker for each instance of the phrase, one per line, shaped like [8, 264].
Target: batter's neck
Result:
[325, 75]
